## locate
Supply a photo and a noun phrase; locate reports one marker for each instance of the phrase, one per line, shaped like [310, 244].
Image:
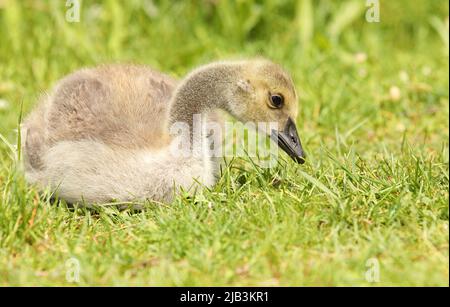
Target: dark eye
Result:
[276, 100]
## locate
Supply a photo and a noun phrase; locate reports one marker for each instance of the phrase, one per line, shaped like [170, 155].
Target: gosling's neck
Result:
[203, 90]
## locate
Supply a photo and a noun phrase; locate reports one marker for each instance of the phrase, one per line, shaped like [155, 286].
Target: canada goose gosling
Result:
[103, 133]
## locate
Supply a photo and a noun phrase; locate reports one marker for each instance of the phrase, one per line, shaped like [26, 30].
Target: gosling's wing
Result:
[118, 105]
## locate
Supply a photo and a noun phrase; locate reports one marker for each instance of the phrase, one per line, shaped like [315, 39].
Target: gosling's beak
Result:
[289, 141]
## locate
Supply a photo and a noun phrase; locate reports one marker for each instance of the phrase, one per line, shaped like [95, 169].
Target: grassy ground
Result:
[374, 121]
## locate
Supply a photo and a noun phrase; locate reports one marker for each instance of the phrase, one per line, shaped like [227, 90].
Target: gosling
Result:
[103, 134]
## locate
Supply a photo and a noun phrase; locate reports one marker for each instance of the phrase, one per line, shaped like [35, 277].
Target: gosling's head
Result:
[264, 92]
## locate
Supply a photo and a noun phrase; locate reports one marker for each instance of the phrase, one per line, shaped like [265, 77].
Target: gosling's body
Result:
[103, 134]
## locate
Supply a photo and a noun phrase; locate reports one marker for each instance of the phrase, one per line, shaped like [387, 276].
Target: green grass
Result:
[375, 186]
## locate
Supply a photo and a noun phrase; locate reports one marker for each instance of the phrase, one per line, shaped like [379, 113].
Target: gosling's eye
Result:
[276, 100]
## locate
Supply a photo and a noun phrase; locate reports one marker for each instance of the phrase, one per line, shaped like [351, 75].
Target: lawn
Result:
[370, 206]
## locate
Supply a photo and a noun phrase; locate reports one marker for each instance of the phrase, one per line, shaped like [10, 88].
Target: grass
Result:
[374, 119]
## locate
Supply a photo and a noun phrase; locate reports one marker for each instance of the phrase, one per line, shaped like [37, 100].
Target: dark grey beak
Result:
[289, 141]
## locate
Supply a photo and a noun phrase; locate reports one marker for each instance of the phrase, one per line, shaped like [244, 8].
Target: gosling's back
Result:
[124, 106]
